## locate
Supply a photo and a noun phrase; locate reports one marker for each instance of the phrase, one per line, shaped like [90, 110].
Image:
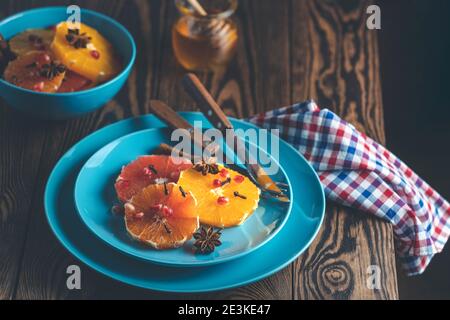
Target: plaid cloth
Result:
[358, 172]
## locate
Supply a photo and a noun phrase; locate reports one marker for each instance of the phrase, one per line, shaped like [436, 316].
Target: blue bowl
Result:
[73, 104]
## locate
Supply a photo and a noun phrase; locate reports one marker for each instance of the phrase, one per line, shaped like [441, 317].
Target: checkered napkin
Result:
[358, 172]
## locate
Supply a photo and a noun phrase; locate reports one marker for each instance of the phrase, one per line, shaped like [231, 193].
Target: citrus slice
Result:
[161, 215]
[224, 199]
[36, 71]
[147, 170]
[86, 52]
[74, 82]
[31, 40]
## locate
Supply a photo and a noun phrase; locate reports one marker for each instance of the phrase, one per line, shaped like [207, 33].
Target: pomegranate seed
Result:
[224, 173]
[157, 207]
[95, 54]
[147, 172]
[239, 179]
[222, 200]
[217, 183]
[139, 215]
[167, 212]
[38, 86]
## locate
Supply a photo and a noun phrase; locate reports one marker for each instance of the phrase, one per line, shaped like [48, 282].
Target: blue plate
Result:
[300, 229]
[95, 194]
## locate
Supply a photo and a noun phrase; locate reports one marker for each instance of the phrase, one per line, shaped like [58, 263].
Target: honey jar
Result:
[204, 37]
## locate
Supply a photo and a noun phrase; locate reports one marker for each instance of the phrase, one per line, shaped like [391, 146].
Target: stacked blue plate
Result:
[80, 193]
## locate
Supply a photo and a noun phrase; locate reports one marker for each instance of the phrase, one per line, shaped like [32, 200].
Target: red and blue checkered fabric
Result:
[358, 172]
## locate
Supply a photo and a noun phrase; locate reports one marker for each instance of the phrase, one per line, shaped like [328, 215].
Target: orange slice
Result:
[26, 71]
[162, 216]
[225, 199]
[93, 58]
[31, 40]
[147, 170]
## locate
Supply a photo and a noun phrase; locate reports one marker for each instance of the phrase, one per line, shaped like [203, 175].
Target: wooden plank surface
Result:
[346, 80]
[288, 50]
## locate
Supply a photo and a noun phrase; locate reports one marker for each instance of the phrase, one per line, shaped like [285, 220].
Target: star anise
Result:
[206, 168]
[207, 239]
[52, 69]
[77, 40]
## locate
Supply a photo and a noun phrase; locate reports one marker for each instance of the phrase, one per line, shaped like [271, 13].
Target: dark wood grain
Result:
[335, 61]
[19, 165]
[288, 51]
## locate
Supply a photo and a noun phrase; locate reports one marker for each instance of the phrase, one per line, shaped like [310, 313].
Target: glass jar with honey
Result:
[205, 36]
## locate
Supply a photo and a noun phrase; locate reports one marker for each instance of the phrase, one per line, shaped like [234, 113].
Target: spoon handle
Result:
[212, 111]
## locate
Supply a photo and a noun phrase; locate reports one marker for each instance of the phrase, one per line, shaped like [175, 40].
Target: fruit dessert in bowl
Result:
[54, 69]
[171, 210]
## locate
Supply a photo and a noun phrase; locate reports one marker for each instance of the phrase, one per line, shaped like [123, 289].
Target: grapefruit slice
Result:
[147, 170]
[225, 199]
[35, 70]
[74, 82]
[86, 52]
[31, 40]
[162, 216]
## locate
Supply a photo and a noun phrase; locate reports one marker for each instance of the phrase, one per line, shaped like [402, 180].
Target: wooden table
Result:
[288, 51]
